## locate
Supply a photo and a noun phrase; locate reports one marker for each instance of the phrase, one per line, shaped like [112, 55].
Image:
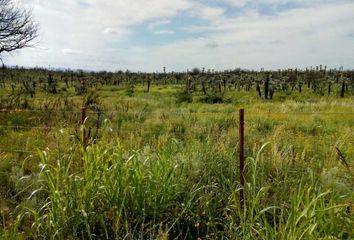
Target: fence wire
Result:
[180, 112]
[171, 130]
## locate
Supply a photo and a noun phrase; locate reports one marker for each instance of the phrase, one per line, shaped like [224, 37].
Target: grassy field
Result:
[161, 165]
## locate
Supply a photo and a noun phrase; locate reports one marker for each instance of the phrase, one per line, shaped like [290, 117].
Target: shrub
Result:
[130, 91]
[214, 98]
[184, 96]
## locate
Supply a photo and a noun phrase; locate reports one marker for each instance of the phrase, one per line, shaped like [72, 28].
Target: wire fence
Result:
[179, 112]
[169, 130]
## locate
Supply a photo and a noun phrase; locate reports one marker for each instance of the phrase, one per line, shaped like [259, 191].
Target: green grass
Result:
[168, 169]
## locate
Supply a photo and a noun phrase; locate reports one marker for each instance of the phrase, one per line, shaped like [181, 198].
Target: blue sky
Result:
[145, 35]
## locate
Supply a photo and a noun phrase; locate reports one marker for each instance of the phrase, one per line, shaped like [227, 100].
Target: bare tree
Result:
[17, 28]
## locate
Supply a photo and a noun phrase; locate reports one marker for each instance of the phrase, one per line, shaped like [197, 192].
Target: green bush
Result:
[184, 96]
[214, 98]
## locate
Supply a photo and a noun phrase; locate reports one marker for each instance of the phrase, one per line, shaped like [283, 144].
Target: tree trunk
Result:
[266, 88]
[342, 90]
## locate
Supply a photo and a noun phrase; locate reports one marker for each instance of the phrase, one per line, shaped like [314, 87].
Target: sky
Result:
[146, 35]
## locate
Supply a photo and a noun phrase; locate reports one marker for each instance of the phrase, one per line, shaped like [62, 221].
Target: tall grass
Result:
[311, 211]
[118, 194]
[163, 170]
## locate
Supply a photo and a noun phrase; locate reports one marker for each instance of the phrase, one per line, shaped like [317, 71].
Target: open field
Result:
[162, 161]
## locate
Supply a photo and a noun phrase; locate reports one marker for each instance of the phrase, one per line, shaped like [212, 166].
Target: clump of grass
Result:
[130, 91]
[149, 194]
[184, 96]
[111, 196]
[214, 98]
[310, 211]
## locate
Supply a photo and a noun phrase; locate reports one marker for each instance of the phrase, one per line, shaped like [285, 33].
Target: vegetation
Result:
[162, 155]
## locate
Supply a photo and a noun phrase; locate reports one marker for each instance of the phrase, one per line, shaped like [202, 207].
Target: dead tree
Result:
[266, 87]
[17, 28]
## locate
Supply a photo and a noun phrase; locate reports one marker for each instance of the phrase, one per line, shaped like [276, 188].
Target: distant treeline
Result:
[318, 80]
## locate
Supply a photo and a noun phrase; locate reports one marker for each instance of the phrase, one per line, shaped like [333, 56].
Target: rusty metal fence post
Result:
[242, 158]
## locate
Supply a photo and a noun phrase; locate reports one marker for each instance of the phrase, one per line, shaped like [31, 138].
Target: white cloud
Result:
[208, 13]
[91, 26]
[158, 23]
[242, 3]
[109, 30]
[90, 34]
[236, 3]
[36, 48]
[71, 51]
[164, 32]
[296, 38]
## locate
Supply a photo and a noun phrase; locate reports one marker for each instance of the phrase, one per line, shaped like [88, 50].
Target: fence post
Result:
[242, 177]
[83, 118]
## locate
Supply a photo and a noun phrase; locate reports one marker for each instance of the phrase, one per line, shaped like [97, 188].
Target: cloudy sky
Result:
[145, 35]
